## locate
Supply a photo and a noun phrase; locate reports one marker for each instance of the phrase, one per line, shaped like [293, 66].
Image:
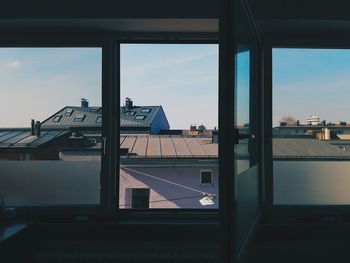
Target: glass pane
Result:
[169, 122]
[310, 131]
[242, 111]
[47, 158]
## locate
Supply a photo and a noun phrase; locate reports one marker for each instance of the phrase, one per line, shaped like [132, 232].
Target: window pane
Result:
[311, 134]
[49, 139]
[169, 122]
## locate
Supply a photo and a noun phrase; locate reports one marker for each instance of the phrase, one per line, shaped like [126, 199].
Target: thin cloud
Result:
[14, 64]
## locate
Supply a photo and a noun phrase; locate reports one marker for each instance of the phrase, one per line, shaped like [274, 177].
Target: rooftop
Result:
[22, 138]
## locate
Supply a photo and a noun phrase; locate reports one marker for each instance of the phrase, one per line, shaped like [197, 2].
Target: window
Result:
[51, 161]
[206, 177]
[311, 158]
[69, 112]
[79, 117]
[140, 198]
[57, 118]
[94, 109]
[158, 151]
[139, 117]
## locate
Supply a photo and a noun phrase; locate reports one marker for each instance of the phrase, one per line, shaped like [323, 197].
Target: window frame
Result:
[110, 89]
[44, 39]
[300, 212]
[162, 213]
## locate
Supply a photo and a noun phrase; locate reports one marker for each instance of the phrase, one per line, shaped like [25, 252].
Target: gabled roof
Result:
[90, 116]
[22, 138]
[138, 116]
[131, 117]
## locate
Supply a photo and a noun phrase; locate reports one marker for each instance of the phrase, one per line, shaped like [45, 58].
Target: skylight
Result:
[79, 117]
[130, 113]
[57, 118]
[139, 117]
[94, 109]
[69, 112]
[146, 110]
[99, 119]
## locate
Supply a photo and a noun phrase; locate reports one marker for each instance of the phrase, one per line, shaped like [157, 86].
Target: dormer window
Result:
[69, 112]
[57, 118]
[79, 117]
[146, 110]
[140, 117]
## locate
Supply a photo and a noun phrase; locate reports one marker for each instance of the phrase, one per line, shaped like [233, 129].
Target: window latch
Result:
[241, 136]
[104, 145]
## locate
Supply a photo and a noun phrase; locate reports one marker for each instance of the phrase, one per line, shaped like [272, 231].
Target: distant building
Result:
[133, 119]
[142, 119]
[312, 120]
[21, 144]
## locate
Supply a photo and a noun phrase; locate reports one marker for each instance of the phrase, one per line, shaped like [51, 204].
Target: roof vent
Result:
[38, 128]
[32, 130]
[84, 103]
[128, 103]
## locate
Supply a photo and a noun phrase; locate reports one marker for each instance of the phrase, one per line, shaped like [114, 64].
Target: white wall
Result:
[37, 183]
[177, 197]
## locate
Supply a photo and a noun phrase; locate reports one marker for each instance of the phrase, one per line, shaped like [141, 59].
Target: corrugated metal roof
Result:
[127, 119]
[306, 148]
[21, 138]
[91, 114]
[165, 146]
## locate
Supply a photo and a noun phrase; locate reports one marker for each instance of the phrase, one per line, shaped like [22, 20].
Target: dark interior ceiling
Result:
[304, 18]
[116, 15]
[273, 17]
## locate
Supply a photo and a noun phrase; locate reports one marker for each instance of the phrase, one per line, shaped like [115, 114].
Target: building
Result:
[161, 171]
[142, 119]
[87, 119]
[21, 144]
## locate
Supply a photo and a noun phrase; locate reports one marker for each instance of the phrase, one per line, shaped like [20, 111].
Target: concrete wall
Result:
[165, 195]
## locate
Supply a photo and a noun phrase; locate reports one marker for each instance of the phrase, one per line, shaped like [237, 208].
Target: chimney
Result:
[84, 103]
[32, 130]
[38, 129]
[215, 136]
[128, 103]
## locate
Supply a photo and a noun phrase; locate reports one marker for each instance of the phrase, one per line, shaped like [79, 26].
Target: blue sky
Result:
[37, 82]
[183, 78]
[242, 84]
[311, 82]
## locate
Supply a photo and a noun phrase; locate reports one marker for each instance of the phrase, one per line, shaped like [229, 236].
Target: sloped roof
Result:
[91, 114]
[163, 146]
[128, 116]
[306, 148]
[22, 139]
